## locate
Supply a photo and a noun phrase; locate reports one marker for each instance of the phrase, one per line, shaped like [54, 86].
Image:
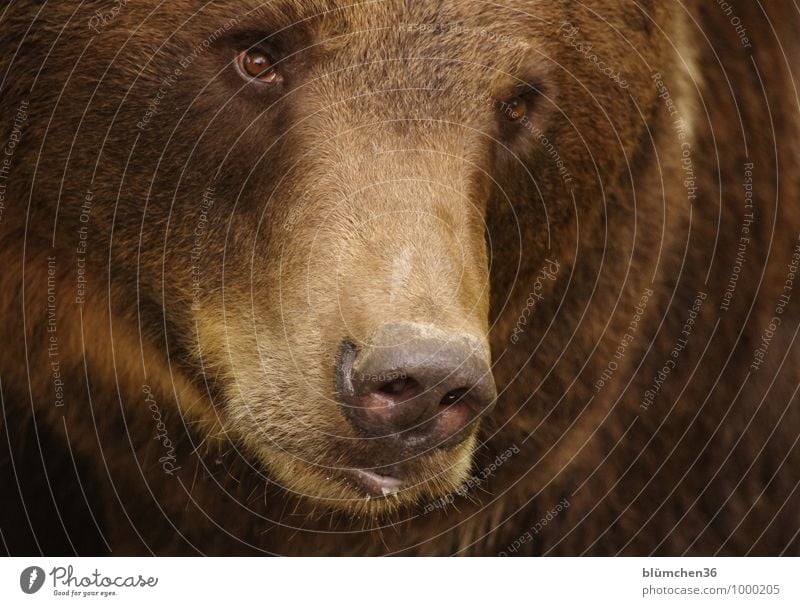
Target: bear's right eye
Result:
[256, 64]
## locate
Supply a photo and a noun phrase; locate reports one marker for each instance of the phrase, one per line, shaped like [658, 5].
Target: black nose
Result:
[415, 384]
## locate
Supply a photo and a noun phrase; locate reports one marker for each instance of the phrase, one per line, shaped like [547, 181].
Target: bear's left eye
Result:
[521, 105]
[516, 108]
[256, 64]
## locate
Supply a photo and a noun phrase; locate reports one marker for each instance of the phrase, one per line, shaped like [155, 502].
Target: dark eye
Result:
[516, 108]
[256, 64]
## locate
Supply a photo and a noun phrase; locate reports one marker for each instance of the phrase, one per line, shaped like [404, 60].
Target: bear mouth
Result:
[369, 484]
[427, 477]
[373, 483]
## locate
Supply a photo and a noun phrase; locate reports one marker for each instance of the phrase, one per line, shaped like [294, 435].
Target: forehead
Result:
[394, 42]
[378, 14]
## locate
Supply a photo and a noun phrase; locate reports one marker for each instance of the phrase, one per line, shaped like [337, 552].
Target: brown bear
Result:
[399, 277]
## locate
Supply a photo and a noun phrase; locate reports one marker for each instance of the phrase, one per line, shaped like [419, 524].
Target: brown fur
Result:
[383, 153]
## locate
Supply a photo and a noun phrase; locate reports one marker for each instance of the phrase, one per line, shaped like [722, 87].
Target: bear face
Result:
[345, 255]
[327, 207]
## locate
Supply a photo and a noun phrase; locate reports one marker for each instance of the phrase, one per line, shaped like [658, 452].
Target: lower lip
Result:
[376, 484]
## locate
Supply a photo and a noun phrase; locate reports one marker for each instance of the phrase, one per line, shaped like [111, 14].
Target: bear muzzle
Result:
[412, 390]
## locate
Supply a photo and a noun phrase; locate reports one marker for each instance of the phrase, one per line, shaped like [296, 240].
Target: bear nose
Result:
[417, 385]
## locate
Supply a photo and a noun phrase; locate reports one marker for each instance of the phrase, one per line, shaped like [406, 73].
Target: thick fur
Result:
[235, 236]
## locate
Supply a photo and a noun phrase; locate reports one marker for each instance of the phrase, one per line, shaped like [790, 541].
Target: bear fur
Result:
[182, 251]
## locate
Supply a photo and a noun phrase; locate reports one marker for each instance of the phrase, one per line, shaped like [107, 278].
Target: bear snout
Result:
[415, 388]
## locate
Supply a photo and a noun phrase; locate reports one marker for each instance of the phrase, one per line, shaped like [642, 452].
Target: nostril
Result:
[453, 397]
[400, 387]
